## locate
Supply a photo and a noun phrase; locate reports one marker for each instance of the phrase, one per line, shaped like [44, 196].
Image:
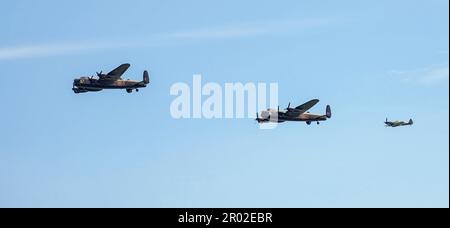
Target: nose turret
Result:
[76, 83]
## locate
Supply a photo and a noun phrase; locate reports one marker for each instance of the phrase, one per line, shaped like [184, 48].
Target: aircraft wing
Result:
[307, 106]
[118, 72]
[393, 124]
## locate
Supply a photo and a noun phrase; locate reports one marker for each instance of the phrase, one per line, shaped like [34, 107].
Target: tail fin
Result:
[329, 114]
[146, 78]
[411, 122]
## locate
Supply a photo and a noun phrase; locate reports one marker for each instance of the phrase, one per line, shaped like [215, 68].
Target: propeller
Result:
[99, 74]
[289, 106]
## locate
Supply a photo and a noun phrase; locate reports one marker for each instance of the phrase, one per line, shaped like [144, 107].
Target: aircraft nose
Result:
[77, 82]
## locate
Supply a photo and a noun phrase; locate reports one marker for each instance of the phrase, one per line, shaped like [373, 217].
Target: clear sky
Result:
[368, 59]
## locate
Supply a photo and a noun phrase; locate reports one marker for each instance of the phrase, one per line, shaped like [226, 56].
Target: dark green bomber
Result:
[112, 80]
[298, 114]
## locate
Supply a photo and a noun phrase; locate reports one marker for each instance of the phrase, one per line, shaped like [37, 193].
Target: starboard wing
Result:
[118, 72]
[307, 106]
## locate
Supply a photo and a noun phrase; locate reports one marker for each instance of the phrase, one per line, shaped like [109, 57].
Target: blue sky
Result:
[368, 59]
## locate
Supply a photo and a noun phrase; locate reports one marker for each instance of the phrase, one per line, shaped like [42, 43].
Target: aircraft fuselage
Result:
[270, 116]
[85, 84]
[305, 117]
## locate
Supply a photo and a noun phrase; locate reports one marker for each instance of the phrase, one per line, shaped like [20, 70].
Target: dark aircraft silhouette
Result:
[398, 123]
[298, 114]
[112, 80]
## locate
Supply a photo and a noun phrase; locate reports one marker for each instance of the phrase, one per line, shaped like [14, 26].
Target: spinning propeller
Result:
[257, 118]
[289, 107]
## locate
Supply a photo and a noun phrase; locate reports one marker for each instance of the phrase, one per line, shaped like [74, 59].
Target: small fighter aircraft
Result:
[112, 80]
[398, 123]
[299, 114]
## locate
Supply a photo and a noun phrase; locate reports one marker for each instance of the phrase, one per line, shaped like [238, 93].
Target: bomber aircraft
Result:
[298, 114]
[398, 123]
[112, 80]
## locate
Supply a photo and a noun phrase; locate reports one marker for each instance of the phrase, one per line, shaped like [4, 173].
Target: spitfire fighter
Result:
[398, 123]
[112, 80]
[298, 114]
